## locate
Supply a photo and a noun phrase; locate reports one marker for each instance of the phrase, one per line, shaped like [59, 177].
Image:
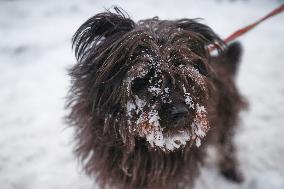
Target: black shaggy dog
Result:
[147, 98]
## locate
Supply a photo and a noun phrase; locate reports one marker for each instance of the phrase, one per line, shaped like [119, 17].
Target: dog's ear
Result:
[233, 55]
[194, 26]
[100, 27]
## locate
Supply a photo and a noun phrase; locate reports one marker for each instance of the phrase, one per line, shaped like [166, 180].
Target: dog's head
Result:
[148, 81]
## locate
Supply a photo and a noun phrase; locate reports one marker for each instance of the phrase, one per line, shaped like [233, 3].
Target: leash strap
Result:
[251, 26]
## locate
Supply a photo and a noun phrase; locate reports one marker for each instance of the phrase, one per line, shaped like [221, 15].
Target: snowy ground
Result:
[35, 50]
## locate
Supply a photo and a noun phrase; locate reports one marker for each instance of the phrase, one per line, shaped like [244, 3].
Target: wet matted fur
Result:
[147, 98]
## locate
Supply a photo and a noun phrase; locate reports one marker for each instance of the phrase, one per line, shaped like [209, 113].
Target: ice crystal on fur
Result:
[200, 109]
[188, 99]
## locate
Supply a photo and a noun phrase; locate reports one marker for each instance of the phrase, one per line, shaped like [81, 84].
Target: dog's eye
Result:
[177, 62]
[200, 66]
[138, 84]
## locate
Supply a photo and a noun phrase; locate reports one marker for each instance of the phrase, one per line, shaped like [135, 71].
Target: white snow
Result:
[176, 141]
[35, 50]
[130, 107]
[154, 90]
[188, 99]
[155, 138]
[198, 142]
[200, 109]
[199, 132]
[154, 118]
[166, 90]
[167, 143]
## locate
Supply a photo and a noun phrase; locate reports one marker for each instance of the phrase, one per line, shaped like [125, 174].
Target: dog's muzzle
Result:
[177, 114]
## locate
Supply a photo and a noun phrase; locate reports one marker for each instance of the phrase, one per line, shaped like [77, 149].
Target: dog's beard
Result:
[145, 120]
[144, 115]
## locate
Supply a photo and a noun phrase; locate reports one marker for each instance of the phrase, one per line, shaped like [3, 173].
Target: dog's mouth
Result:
[166, 132]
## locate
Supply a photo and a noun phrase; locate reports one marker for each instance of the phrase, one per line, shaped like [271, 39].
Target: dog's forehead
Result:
[158, 28]
[185, 38]
[156, 24]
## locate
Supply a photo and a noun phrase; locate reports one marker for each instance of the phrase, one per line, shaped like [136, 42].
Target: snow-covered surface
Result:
[35, 50]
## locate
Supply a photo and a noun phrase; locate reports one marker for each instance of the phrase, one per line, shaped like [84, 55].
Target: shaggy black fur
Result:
[148, 97]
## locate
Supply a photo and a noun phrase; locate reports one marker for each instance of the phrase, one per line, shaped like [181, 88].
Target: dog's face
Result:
[166, 91]
[146, 82]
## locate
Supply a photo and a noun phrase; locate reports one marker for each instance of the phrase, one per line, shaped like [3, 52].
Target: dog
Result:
[147, 98]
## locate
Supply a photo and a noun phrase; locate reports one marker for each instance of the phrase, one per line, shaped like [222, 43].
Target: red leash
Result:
[251, 26]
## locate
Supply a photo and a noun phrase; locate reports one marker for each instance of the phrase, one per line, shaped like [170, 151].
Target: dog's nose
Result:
[178, 113]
